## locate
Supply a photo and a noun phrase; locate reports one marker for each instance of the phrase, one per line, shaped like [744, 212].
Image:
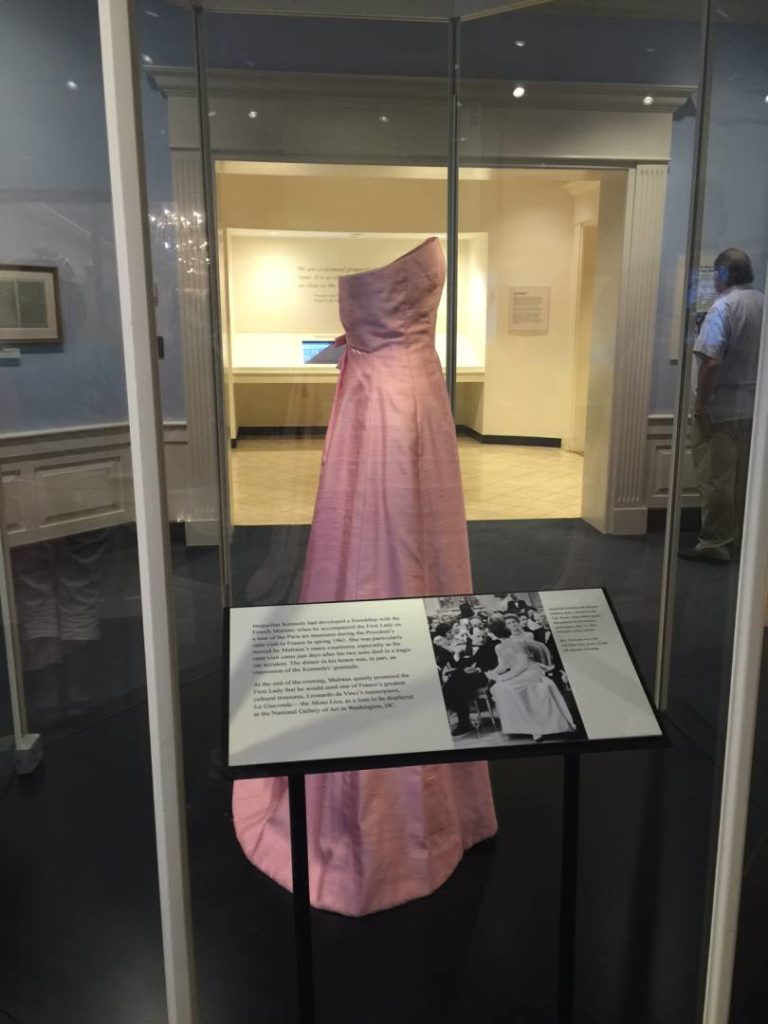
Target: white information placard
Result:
[361, 679]
[529, 310]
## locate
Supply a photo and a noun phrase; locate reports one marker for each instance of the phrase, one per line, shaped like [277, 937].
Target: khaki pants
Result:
[720, 458]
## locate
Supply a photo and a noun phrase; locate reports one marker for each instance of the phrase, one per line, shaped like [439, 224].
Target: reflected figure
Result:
[724, 379]
[59, 599]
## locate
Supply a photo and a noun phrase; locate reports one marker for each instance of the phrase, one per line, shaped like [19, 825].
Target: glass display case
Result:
[574, 165]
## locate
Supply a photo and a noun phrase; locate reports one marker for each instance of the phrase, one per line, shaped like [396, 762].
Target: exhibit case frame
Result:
[613, 473]
[572, 170]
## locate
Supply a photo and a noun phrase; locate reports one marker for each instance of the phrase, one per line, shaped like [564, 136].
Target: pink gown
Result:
[389, 522]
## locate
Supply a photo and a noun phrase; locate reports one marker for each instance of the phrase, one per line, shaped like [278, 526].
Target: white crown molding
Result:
[250, 86]
[386, 10]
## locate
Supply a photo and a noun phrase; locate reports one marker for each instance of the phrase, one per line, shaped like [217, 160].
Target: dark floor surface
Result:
[79, 922]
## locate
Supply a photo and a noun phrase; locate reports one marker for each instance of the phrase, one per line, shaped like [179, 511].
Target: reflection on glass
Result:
[59, 601]
[69, 516]
[726, 352]
[179, 240]
[577, 159]
[728, 271]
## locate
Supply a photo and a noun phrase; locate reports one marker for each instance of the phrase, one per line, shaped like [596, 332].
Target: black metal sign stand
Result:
[302, 926]
[569, 750]
[569, 870]
[568, 887]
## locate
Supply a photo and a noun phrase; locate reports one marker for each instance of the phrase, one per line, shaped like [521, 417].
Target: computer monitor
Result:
[320, 351]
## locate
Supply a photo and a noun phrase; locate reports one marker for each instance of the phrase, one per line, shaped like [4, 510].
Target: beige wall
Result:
[300, 404]
[332, 203]
[528, 219]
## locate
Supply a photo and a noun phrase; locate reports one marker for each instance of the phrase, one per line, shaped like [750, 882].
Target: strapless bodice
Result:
[396, 303]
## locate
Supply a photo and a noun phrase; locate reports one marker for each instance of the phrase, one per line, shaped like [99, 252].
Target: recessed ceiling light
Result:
[211, 113]
[518, 92]
[766, 99]
[72, 84]
[520, 43]
[253, 114]
[648, 100]
[383, 118]
[146, 59]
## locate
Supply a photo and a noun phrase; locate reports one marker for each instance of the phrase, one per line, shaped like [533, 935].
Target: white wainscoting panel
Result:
[659, 463]
[60, 482]
[67, 481]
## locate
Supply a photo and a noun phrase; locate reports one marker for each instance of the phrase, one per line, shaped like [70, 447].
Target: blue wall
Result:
[55, 209]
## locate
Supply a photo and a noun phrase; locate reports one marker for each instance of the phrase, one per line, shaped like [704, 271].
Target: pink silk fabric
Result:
[389, 521]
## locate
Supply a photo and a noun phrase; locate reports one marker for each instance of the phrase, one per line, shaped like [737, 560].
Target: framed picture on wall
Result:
[29, 304]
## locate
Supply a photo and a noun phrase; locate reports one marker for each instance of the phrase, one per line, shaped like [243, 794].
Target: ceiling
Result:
[754, 12]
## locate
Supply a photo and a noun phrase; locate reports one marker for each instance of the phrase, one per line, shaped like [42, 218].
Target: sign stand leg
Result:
[568, 883]
[301, 910]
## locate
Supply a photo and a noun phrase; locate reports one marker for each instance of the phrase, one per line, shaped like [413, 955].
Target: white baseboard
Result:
[629, 522]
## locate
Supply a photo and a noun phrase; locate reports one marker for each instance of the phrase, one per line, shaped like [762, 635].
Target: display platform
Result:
[362, 684]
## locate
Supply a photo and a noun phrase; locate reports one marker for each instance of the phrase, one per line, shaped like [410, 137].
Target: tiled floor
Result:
[274, 480]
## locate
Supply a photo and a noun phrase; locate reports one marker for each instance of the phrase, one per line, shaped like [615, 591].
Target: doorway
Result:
[286, 233]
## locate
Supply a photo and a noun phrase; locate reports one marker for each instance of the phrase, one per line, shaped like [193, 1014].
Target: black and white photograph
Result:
[501, 674]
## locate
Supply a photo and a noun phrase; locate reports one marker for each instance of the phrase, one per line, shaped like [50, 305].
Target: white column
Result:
[201, 501]
[145, 421]
[622, 356]
[742, 714]
[636, 339]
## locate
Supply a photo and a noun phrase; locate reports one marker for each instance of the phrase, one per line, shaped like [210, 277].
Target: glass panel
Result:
[330, 140]
[179, 239]
[70, 881]
[329, 146]
[7, 678]
[729, 267]
[577, 149]
[722, 345]
[750, 980]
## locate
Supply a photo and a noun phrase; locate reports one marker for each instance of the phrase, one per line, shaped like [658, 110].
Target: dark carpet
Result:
[79, 928]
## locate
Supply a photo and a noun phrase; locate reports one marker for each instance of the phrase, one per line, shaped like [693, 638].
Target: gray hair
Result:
[736, 265]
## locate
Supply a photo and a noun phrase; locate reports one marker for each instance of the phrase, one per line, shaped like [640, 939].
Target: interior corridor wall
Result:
[528, 383]
[529, 222]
